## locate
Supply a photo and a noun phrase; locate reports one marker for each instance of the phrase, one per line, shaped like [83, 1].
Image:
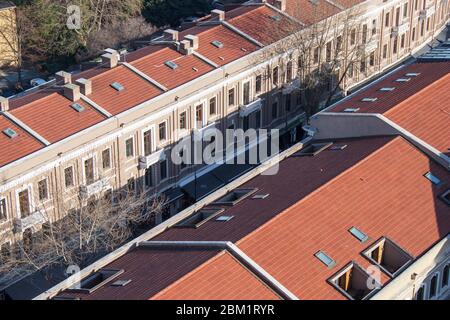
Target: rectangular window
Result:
[422, 28]
[433, 286]
[43, 190]
[275, 76]
[374, 27]
[24, 203]
[258, 84]
[316, 55]
[402, 41]
[338, 43]
[162, 131]
[68, 177]
[397, 16]
[428, 24]
[413, 37]
[246, 123]
[3, 214]
[363, 64]
[183, 120]
[289, 71]
[328, 51]
[131, 184]
[89, 170]
[147, 142]
[129, 148]
[148, 177]
[231, 97]
[386, 20]
[372, 59]
[364, 33]
[199, 116]
[274, 110]
[395, 45]
[405, 10]
[288, 103]
[213, 106]
[163, 169]
[353, 37]
[106, 158]
[246, 93]
[416, 5]
[258, 119]
[350, 70]
[385, 47]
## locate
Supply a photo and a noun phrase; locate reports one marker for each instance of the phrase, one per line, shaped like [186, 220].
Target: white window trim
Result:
[236, 103]
[6, 209]
[214, 115]
[87, 157]
[251, 97]
[28, 187]
[152, 130]
[48, 188]
[167, 139]
[447, 285]
[167, 171]
[203, 103]
[110, 159]
[425, 291]
[73, 177]
[134, 147]
[438, 286]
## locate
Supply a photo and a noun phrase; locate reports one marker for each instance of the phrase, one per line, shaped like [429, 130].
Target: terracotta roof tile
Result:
[18, 147]
[54, 119]
[309, 13]
[220, 278]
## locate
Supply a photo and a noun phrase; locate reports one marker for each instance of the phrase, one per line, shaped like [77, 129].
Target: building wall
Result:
[8, 55]
[51, 162]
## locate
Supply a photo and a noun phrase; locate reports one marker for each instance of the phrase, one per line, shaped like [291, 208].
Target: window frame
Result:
[94, 168]
[4, 211]
[166, 132]
[133, 153]
[47, 193]
[72, 177]
[29, 189]
[109, 159]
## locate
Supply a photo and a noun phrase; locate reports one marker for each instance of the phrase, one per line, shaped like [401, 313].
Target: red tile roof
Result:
[189, 67]
[18, 147]
[416, 105]
[309, 13]
[220, 278]
[232, 44]
[54, 119]
[386, 194]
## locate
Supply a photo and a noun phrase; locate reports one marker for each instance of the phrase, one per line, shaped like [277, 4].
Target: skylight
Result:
[412, 74]
[403, 79]
[171, 64]
[322, 256]
[224, 218]
[387, 89]
[338, 147]
[78, 107]
[351, 109]
[117, 86]
[358, 234]
[10, 133]
[276, 17]
[369, 99]
[435, 180]
[260, 196]
[217, 44]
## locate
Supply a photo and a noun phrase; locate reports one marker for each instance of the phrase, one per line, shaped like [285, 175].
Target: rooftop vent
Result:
[217, 44]
[234, 197]
[243, 50]
[351, 109]
[260, 196]
[110, 60]
[352, 282]
[326, 260]
[195, 69]
[403, 79]
[224, 218]
[446, 197]
[435, 180]
[199, 218]
[63, 77]
[170, 35]
[412, 74]
[358, 234]
[171, 64]
[387, 89]
[10, 133]
[313, 149]
[388, 256]
[117, 86]
[338, 147]
[193, 41]
[72, 92]
[95, 280]
[78, 107]
[85, 86]
[369, 99]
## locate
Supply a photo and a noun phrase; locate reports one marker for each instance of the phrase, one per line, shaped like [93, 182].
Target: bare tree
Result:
[320, 56]
[97, 226]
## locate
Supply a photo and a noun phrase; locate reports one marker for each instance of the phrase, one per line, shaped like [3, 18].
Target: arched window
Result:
[433, 286]
[420, 295]
[445, 276]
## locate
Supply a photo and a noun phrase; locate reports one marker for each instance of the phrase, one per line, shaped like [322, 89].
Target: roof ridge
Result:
[417, 93]
[320, 188]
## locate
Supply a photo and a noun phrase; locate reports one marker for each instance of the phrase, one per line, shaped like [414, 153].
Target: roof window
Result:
[224, 218]
[358, 234]
[369, 99]
[388, 256]
[260, 196]
[117, 86]
[322, 256]
[120, 283]
[338, 147]
[172, 65]
[217, 44]
[10, 133]
[199, 218]
[78, 107]
[275, 17]
[435, 180]
[95, 280]
[412, 74]
[403, 79]
[387, 89]
[446, 197]
[313, 149]
[352, 282]
[234, 197]
[351, 109]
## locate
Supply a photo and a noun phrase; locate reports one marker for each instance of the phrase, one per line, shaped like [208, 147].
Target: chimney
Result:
[72, 92]
[64, 77]
[218, 15]
[185, 47]
[110, 60]
[170, 35]
[193, 40]
[4, 104]
[280, 4]
[85, 86]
